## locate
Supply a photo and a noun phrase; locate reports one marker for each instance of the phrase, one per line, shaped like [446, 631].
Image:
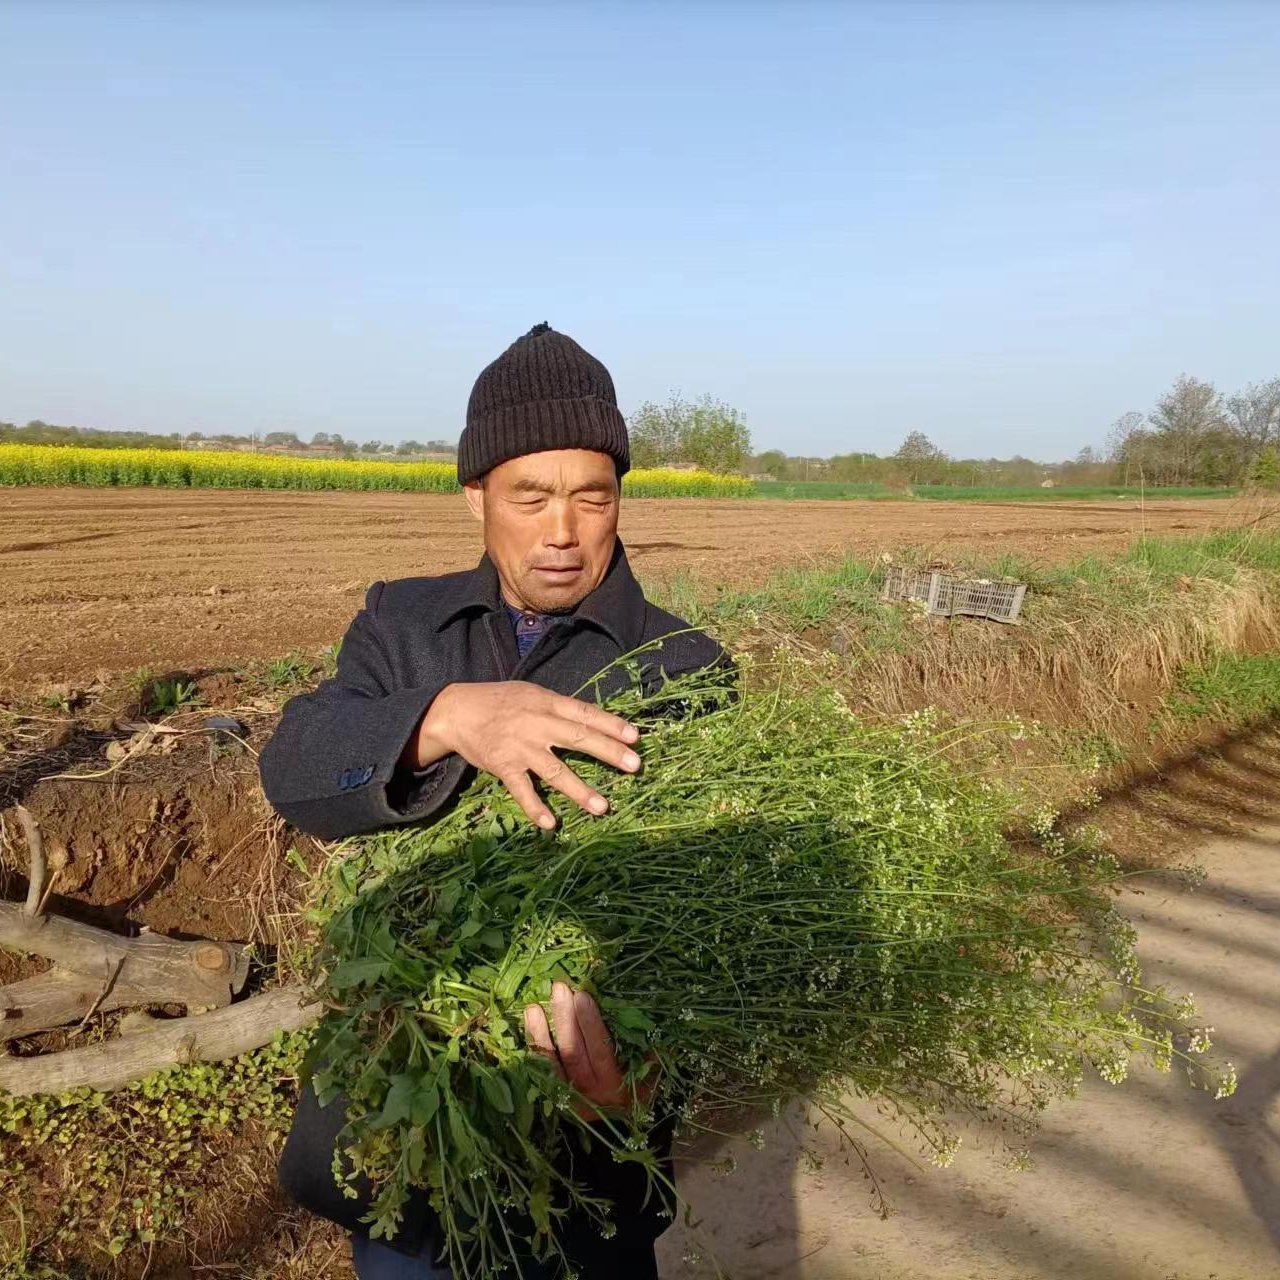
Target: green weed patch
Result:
[1233, 687]
[129, 1167]
[785, 904]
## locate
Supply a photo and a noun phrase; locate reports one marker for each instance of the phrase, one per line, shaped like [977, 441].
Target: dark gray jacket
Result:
[331, 768]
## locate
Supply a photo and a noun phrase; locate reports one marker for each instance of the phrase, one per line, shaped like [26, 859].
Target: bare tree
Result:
[1128, 446]
[1121, 429]
[1254, 414]
[1183, 420]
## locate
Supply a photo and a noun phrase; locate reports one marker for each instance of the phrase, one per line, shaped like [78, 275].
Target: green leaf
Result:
[426, 1102]
[469, 928]
[399, 1103]
[496, 1090]
[509, 982]
[351, 973]
[540, 1205]
[545, 963]
[632, 1018]
[426, 931]
[524, 1115]
[416, 1152]
[382, 943]
[463, 1143]
[631, 1035]
[492, 938]
[481, 847]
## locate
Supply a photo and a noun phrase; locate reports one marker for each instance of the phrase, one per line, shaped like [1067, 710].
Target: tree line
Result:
[37, 432]
[1195, 435]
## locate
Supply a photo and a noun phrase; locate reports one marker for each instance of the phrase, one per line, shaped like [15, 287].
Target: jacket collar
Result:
[616, 606]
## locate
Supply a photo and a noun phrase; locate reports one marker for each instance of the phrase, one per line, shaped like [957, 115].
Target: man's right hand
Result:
[509, 727]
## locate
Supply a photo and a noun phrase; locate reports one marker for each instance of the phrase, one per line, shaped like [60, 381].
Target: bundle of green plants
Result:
[786, 903]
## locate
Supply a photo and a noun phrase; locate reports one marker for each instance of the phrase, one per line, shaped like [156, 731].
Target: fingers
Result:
[526, 796]
[555, 773]
[570, 1041]
[588, 716]
[592, 742]
[539, 1032]
[549, 720]
[582, 1051]
[599, 1047]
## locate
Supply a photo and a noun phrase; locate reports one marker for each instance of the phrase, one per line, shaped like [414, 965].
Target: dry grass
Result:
[1099, 648]
[295, 1246]
[1079, 664]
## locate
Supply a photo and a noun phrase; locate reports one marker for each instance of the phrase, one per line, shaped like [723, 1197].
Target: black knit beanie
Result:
[543, 392]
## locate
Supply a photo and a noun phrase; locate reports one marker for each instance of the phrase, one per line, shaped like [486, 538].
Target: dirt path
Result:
[125, 578]
[1147, 1181]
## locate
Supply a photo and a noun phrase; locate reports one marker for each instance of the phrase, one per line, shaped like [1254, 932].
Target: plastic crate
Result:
[945, 595]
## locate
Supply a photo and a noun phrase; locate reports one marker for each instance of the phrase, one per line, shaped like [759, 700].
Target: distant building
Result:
[1048, 484]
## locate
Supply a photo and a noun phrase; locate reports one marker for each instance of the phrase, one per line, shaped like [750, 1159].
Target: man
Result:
[439, 677]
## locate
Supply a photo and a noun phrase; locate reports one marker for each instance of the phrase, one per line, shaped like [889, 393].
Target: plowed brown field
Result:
[167, 579]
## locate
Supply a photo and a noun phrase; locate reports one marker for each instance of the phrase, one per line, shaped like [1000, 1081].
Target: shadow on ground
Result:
[1151, 1180]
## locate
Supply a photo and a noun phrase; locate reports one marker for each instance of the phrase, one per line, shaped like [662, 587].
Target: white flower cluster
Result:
[945, 1154]
[1043, 821]
[1020, 730]
[920, 723]
[1115, 1069]
[1227, 1085]
[1200, 1041]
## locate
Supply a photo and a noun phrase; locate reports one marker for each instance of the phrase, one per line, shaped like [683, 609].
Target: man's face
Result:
[550, 521]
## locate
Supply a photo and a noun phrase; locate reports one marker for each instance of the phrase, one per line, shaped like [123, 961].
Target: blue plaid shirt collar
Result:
[529, 627]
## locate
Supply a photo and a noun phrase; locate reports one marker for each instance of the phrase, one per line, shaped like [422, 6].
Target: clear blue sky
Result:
[1003, 225]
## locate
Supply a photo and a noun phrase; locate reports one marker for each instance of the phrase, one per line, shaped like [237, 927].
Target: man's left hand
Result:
[581, 1050]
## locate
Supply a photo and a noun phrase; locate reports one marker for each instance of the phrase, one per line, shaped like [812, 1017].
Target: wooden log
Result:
[201, 1037]
[150, 969]
[53, 999]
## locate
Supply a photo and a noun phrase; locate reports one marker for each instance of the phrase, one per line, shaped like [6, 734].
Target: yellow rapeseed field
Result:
[175, 468]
